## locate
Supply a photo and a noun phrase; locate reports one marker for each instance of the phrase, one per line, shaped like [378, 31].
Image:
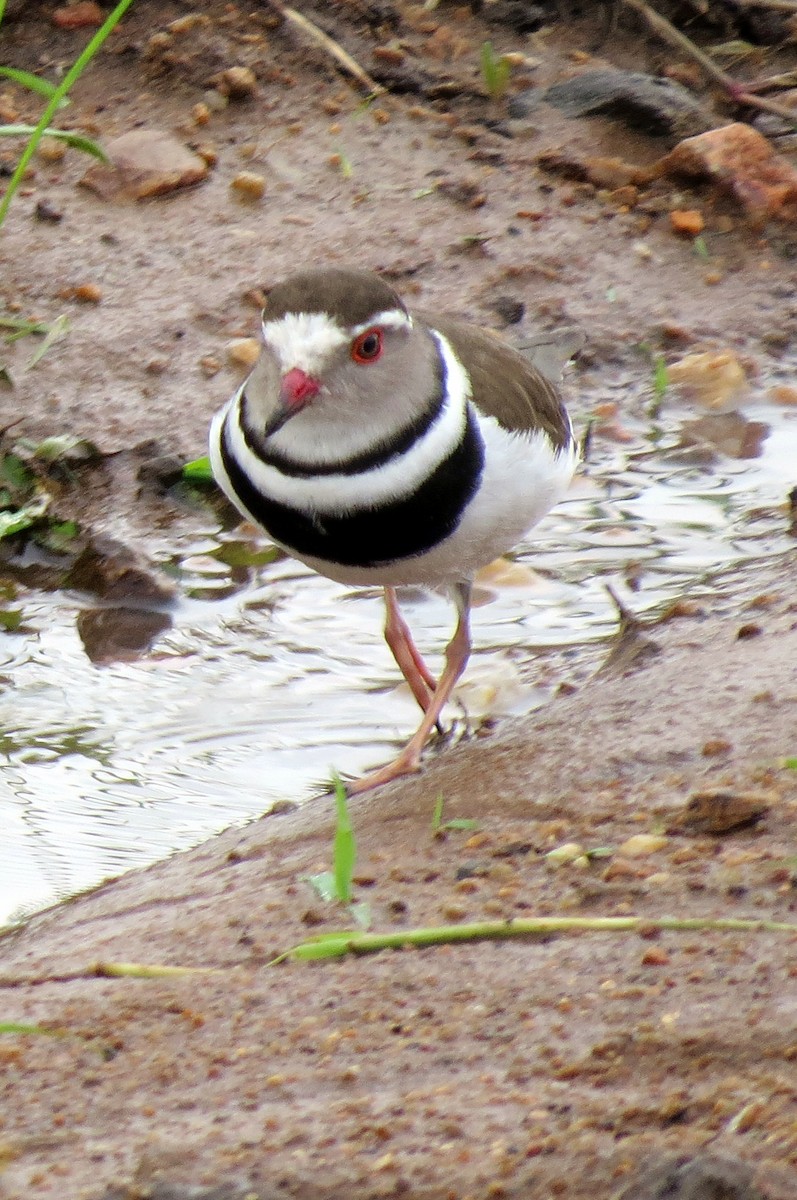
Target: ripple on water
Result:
[269, 676]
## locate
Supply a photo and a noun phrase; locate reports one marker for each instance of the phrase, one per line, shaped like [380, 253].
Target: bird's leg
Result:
[457, 654]
[398, 637]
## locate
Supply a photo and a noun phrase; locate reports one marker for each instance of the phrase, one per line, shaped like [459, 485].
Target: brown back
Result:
[506, 384]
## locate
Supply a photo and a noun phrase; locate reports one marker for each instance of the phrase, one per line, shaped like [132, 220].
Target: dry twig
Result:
[333, 49]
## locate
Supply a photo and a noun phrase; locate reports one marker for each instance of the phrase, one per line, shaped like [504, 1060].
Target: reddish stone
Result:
[79, 16]
[742, 161]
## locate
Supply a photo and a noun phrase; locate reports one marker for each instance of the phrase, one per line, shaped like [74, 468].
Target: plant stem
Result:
[349, 942]
[71, 77]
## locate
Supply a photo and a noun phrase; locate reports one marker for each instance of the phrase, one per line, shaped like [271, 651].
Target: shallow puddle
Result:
[270, 677]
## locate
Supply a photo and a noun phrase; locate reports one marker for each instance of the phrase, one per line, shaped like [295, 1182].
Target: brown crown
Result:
[350, 297]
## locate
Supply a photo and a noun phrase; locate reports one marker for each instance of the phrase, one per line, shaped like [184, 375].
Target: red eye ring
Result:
[367, 346]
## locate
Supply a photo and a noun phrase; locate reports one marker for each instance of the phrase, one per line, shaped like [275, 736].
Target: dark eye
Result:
[367, 347]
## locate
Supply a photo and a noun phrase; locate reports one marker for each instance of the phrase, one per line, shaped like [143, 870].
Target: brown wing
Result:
[506, 385]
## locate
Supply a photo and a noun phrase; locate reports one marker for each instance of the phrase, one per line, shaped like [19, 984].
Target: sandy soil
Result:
[567, 1067]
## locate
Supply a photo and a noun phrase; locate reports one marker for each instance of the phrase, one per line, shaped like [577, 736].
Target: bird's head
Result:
[343, 364]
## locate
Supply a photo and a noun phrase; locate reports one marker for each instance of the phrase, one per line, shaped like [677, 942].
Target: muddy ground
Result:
[571, 1067]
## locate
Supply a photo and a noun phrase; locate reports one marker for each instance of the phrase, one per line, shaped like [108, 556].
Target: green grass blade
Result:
[32, 82]
[77, 140]
[56, 331]
[17, 520]
[198, 470]
[345, 846]
[16, 1027]
[323, 884]
[333, 945]
[71, 77]
[23, 326]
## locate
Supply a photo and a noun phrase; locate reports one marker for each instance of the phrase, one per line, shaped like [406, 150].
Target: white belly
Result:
[522, 479]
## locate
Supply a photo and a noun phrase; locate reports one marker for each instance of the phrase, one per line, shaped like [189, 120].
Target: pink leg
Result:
[457, 654]
[399, 639]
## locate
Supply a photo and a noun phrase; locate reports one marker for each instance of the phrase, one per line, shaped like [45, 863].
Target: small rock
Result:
[200, 113]
[658, 106]
[78, 16]
[88, 293]
[190, 21]
[51, 150]
[715, 378]
[239, 83]
[120, 634]
[109, 569]
[510, 309]
[722, 810]
[517, 15]
[640, 845]
[715, 747]
[655, 956]
[568, 854]
[523, 104]
[784, 394]
[46, 211]
[705, 1177]
[729, 433]
[210, 365]
[688, 222]
[243, 352]
[145, 163]
[743, 163]
[463, 191]
[248, 185]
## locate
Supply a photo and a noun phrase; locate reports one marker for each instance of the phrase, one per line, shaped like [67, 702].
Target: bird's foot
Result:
[405, 764]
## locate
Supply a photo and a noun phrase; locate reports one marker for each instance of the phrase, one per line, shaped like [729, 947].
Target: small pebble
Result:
[243, 352]
[78, 16]
[239, 82]
[248, 185]
[567, 853]
[639, 845]
[688, 222]
[46, 211]
[453, 911]
[200, 113]
[715, 746]
[188, 22]
[51, 150]
[785, 395]
[88, 293]
[509, 308]
[216, 101]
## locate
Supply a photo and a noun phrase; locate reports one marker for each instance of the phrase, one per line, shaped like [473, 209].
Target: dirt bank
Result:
[518, 1069]
[511, 1069]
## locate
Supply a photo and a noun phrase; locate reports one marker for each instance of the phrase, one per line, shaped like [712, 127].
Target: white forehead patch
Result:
[304, 340]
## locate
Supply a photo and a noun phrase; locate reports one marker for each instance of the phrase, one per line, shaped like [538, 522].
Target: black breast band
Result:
[371, 537]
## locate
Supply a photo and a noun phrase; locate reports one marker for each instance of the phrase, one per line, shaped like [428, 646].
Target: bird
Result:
[381, 446]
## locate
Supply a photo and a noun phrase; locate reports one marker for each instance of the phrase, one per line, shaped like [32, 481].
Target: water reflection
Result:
[262, 677]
